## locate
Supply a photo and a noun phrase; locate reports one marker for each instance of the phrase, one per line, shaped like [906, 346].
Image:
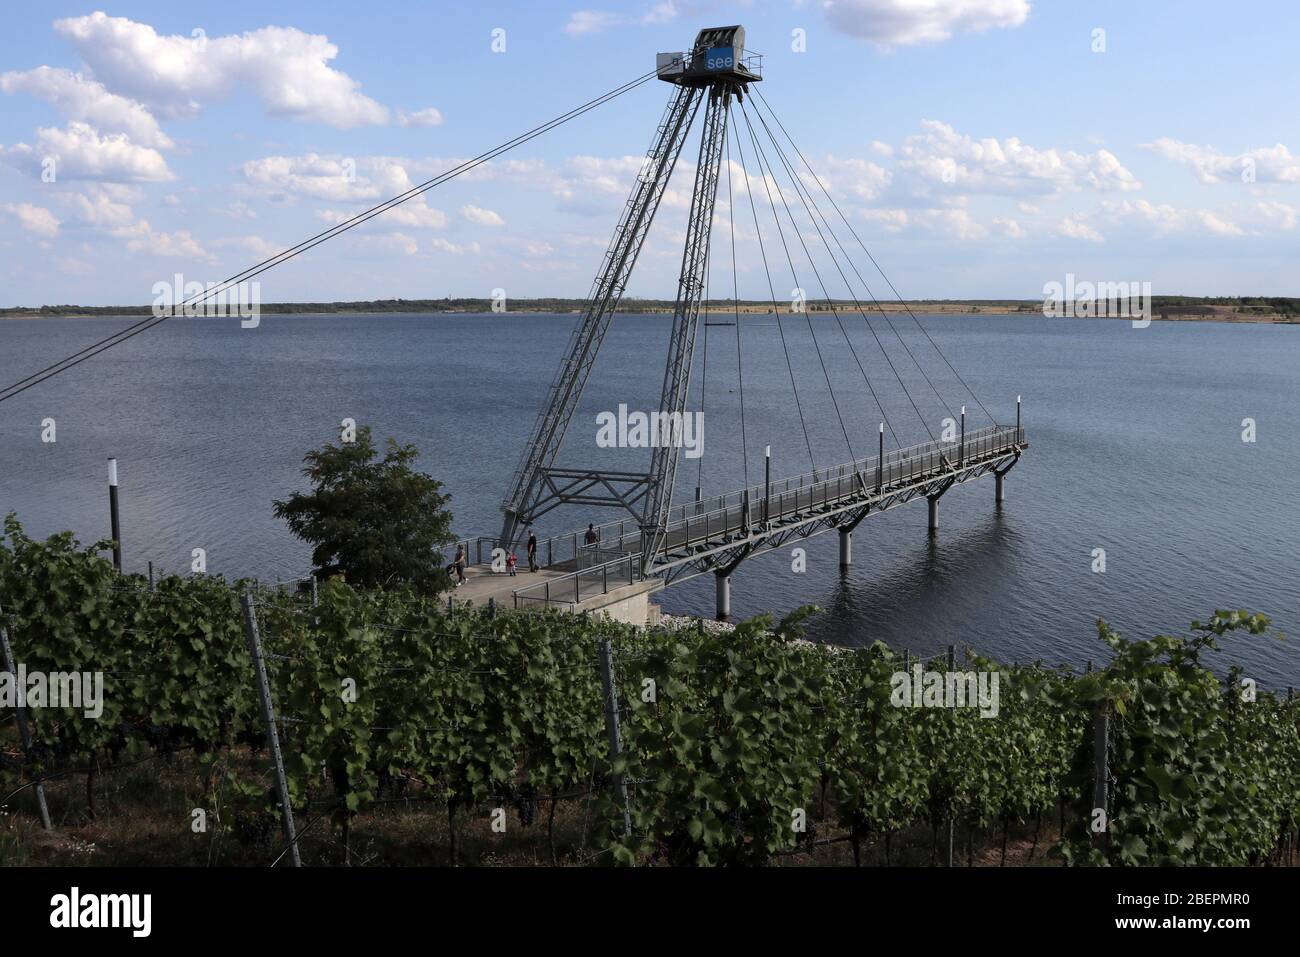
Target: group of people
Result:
[457, 567]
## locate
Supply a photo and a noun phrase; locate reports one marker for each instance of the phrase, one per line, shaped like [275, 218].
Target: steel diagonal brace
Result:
[681, 347]
[529, 484]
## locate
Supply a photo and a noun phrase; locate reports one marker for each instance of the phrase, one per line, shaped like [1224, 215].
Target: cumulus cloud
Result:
[947, 223]
[35, 219]
[80, 152]
[1009, 227]
[481, 217]
[596, 21]
[590, 21]
[286, 68]
[1268, 164]
[429, 116]
[438, 244]
[390, 244]
[141, 237]
[329, 177]
[89, 101]
[1163, 219]
[255, 246]
[1074, 228]
[891, 23]
[941, 158]
[98, 208]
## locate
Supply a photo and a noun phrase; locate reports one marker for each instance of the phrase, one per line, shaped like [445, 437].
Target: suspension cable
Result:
[874, 263]
[808, 198]
[704, 367]
[924, 423]
[735, 297]
[764, 169]
[884, 417]
[178, 308]
[775, 309]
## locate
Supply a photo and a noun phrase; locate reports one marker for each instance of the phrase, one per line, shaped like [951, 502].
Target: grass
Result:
[145, 817]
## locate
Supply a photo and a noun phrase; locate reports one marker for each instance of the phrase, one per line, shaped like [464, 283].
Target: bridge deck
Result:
[701, 536]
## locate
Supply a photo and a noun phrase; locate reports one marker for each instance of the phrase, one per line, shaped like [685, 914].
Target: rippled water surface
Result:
[1136, 448]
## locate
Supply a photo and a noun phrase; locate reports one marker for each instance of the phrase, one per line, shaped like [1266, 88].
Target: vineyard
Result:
[747, 747]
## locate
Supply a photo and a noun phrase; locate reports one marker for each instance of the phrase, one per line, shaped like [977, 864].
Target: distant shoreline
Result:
[1267, 310]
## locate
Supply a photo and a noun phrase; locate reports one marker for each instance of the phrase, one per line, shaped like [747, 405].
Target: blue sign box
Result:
[720, 58]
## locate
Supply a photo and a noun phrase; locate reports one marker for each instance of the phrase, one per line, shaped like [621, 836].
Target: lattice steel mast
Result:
[715, 69]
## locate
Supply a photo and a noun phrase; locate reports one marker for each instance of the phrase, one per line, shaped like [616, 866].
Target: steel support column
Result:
[528, 492]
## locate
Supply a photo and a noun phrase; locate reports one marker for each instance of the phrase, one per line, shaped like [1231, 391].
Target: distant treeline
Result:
[1182, 305]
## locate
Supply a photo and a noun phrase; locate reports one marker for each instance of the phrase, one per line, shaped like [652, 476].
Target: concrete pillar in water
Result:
[724, 595]
[846, 548]
[933, 500]
[1001, 493]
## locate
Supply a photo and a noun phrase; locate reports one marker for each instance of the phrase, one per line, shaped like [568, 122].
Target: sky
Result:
[979, 148]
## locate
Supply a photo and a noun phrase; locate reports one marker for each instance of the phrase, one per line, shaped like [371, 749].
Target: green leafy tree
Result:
[376, 521]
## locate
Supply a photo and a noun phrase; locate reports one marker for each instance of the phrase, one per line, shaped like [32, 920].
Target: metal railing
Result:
[822, 486]
[559, 550]
[617, 559]
[575, 587]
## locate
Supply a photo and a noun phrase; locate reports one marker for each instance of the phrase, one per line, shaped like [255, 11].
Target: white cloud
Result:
[88, 101]
[81, 153]
[389, 244]
[1074, 228]
[1009, 227]
[141, 237]
[255, 246]
[441, 245]
[1278, 215]
[1267, 164]
[890, 23]
[429, 116]
[941, 158]
[1164, 219]
[413, 214]
[481, 217]
[948, 223]
[34, 219]
[596, 21]
[287, 69]
[332, 177]
[237, 210]
[98, 209]
[590, 21]
[856, 177]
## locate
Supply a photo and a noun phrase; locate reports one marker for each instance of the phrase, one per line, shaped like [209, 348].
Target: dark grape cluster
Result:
[526, 803]
[255, 830]
[808, 839]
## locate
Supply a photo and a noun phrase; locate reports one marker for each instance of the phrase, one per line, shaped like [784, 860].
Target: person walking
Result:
[592, 538]
[512, 563]
[459, 562]
[532, 551]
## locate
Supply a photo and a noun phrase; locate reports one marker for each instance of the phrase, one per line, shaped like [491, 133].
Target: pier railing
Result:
[575, 587]
[722, 513]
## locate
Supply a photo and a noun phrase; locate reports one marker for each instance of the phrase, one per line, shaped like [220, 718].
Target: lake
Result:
[1136, 442]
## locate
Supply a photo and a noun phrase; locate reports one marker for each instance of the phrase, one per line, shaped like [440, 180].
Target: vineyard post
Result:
[952, 667]
[268, 713]
[151, 576]
[611, 727]
[114, 518]
[1101, 772]
[24, 733]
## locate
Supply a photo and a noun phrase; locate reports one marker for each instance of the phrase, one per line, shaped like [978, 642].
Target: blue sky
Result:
[981, 148]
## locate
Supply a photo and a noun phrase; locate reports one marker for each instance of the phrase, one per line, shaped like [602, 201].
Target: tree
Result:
[376, 521]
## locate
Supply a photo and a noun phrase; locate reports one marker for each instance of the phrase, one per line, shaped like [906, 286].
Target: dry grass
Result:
[145, 814]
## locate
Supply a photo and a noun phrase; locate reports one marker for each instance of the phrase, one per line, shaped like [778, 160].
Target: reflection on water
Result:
[1135, 448]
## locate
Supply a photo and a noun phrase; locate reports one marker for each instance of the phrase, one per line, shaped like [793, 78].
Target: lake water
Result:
[1136, 448]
